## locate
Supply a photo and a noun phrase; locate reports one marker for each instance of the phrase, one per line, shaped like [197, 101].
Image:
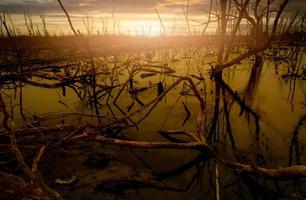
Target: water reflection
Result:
[236, 126]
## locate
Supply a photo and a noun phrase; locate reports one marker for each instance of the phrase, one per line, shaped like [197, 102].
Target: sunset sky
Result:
[130, 16]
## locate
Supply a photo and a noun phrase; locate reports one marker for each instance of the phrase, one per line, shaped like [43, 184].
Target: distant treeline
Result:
[137, 42]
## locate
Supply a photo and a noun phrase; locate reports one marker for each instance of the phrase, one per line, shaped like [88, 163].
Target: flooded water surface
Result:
[254, 115]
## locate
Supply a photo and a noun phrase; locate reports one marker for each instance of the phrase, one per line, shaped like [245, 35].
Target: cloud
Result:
[80, 5]
[119, 6]
[169, 3]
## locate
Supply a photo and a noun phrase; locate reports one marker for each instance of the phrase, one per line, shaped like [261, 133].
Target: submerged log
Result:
[298, 171]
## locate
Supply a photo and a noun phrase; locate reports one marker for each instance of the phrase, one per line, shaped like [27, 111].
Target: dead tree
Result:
[259, 38]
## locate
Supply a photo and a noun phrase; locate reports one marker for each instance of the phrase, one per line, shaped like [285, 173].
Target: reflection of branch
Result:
[179, 132]
[154, 102]
[188, 114]
[236, 97]
[285, 172]
[227, 121]
[183, 168]
[243, 106]
[213, 127]
[294, 140]
[5, 114]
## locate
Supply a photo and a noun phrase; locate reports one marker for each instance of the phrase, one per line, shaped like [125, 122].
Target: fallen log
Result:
[298, 171]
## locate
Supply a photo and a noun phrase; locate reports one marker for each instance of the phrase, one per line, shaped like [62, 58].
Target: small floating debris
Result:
[188, 114]
[66, 180]
[147, 75]
[137, 90]
[160, 88]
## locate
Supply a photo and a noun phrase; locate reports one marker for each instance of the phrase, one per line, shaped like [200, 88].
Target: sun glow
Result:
[144, 24]
[142, 27]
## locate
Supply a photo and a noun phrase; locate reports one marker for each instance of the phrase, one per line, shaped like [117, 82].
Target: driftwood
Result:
[291, 172]
[17, 187]
[43, 190]
[197, 141]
